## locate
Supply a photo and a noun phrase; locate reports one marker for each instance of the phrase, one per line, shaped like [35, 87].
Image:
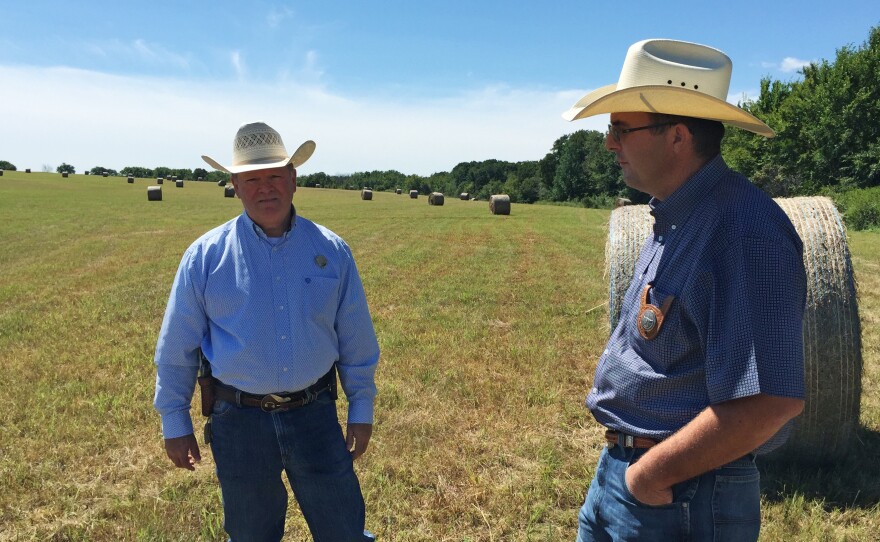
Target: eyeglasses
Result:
[616, 132]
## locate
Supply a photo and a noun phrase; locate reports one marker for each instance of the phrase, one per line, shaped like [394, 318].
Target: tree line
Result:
[827, 142]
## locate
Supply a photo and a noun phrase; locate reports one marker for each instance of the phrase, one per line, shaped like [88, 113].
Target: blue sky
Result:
[416, 86]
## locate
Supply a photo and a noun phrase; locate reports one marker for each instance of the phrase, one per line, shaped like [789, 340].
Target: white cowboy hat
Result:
[671, 77]
[258, 146]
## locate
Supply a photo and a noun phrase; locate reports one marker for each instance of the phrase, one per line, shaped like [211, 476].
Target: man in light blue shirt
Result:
[275, 306]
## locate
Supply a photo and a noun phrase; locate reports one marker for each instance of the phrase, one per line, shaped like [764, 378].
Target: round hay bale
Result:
[499, 204]
[160, 180]
[229, 191]
[435, 198]
[64, 175]
[28, 170]
[105, 174]
[1, 172]
[464, 196]
[130, 180]
[366, 194]
[154, 193]
[179, 184]
[221, 182]
[832, 332]
[317, 185]
[398, 191]
[413, 194]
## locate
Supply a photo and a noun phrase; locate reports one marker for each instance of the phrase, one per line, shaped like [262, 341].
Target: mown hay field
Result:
[490, 326]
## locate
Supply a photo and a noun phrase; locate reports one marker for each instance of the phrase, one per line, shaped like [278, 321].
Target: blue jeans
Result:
[252, 447]
[721, 505]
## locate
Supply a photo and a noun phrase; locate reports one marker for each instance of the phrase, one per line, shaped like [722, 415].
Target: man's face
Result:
[642, 155]
[266, 195]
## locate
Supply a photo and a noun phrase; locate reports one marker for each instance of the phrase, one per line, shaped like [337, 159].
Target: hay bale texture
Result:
[221, 182]
[130, 179]
[229, 192]
[435, 198]
[154, 193]
[179, 184]
[398, 191]
[413, 194]
[64, 175]
[832, 332]
[499, 204]
[366, 194]
[464, 196]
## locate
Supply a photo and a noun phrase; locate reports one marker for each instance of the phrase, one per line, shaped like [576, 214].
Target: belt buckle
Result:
[270, 402]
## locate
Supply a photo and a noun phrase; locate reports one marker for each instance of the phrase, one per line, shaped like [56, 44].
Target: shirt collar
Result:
[672, 212]
[259, 231]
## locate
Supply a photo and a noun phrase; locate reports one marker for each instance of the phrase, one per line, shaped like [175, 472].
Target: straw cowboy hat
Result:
[258, 146]
[671, 77]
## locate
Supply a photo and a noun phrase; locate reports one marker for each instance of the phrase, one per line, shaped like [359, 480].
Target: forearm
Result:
[718, 435]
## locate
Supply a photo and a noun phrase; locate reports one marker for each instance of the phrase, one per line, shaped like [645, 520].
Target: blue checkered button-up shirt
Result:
[272, 315]
[734, 263]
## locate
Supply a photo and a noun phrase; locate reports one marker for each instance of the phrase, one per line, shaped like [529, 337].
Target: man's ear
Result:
[681, 136]
[293, 178]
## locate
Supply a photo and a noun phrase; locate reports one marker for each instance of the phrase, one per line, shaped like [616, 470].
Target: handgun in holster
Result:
[206, 387]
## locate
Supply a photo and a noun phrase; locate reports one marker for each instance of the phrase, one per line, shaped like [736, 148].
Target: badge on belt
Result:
[650, 318]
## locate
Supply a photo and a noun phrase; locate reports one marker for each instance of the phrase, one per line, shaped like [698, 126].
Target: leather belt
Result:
[628, 441]
[277, 401]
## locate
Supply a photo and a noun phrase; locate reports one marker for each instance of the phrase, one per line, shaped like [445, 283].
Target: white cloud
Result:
[86, 119]
[278, 16]
[791, 64]
[237, 64]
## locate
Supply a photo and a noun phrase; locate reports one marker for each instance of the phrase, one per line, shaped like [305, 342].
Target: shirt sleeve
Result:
[756, 328]
[184, 326]
[358, 347]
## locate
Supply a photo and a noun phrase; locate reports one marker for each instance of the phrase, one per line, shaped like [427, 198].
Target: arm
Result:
[718, 435]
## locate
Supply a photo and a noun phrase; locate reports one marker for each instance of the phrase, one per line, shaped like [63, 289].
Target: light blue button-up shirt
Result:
[271, 314]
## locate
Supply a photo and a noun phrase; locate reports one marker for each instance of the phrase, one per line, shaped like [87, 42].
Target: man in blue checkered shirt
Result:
[704, 369]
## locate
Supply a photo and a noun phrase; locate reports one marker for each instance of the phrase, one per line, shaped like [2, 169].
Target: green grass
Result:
[490, 327]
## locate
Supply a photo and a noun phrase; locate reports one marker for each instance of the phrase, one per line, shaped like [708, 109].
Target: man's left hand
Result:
[357, 437]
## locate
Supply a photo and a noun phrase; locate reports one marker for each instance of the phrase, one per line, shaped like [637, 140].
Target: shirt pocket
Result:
[671, 343]
[321, 300]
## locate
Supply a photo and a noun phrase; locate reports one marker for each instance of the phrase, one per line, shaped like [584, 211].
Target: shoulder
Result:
[321, 235]
[214, 240]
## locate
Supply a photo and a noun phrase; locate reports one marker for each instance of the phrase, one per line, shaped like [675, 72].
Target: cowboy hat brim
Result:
[666, 100]
[298, 158]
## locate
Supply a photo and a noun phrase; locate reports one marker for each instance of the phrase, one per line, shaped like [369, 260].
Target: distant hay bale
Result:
[154, 193]
[28, 170]
[499, 204]
[1, 172]
[366, 194]
[201, 178]
[160, 180]
[621, 202]
[229, 191]
[105, 174]
[398, 191]
[317, 185]
[413, 194]
[179, 184]
[832, 332]
[130, 179]
[174, 178]
[221, 182]
[435, 198]
[63, 174]
[464, 196]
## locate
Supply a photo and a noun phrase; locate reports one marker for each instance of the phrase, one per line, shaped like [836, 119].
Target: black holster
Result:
[206, 385]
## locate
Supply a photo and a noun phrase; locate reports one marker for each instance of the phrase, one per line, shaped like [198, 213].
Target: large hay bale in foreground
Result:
[413, 194]
[229, 191]
[154, 193]
[499, 204]
[366, 194]
[832, 332]
[435, 198]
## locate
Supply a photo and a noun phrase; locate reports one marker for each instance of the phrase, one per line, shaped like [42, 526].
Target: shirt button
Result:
[285, 369]
[274, 249]
[281, 307]
[605, 353]
[660, 238]
[283, 337]
[673, 226]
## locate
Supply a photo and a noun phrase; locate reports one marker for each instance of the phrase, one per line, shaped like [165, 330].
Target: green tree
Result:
[65, 168]
[7, 166]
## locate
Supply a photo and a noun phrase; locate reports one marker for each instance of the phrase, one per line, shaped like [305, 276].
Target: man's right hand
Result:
[183, 451]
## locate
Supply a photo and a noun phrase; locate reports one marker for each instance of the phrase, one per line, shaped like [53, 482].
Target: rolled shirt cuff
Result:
[360, 412]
